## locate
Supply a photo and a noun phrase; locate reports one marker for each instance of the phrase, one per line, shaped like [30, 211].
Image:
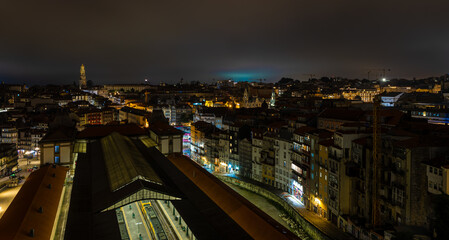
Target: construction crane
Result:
[377, 143]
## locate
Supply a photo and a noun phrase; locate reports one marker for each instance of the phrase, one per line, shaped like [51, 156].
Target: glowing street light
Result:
[384, 79]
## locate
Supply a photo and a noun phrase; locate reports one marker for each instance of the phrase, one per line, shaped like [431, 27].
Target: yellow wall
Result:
[323, 180]
[268, 173]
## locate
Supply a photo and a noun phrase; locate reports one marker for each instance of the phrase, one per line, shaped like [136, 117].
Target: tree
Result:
[264, 105]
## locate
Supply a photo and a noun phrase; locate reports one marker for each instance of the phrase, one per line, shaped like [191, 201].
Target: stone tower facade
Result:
[83, 81]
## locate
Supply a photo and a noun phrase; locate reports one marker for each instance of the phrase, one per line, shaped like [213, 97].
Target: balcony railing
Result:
[300, 151]
[296, 174]
[334, 185]
[335, 157]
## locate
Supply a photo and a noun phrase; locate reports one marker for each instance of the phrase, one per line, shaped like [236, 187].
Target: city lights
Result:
[333, 122]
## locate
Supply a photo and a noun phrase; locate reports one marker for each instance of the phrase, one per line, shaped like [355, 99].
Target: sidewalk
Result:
[320, 223]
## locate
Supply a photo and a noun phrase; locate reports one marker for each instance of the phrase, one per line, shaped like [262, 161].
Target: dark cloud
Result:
[128, 41]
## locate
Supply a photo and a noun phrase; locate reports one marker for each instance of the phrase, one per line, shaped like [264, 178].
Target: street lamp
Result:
[317, 201]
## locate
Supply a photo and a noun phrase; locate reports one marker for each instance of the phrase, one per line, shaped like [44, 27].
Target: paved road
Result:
[136, 224]
[6, 197]
[8, 194]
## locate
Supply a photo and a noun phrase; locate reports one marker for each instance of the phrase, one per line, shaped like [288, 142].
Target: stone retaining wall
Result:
[308, 227]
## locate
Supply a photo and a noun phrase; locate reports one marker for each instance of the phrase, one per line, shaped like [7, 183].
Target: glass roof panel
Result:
[124, 162]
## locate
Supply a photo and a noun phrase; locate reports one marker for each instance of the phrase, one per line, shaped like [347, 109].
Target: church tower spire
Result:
[83, 81]
[273, 99]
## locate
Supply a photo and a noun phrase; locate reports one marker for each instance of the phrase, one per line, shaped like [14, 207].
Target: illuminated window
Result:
[56, 159]
[56, 149]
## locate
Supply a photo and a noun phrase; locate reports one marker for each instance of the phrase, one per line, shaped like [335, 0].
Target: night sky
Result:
[128, 41]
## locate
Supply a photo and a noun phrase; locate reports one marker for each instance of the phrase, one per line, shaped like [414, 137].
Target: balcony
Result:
[333, 184]
[335, 157]
[397, 170]
[296, 174]
[398, 185]
[300, 151]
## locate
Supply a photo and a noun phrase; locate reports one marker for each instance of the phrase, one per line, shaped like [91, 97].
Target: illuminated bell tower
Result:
[273, 100]
[245, 98]
[83, 81]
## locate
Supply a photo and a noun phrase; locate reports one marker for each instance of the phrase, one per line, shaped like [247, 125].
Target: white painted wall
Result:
[177, 144]
[164, 145]
[64, 150]
[48, 154]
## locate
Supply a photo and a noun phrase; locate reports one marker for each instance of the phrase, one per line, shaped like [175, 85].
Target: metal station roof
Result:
[148, 142]
[80, 146]
[124, 163]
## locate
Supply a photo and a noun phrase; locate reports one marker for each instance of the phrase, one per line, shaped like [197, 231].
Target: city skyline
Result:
[256, 119]
[164, 42]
